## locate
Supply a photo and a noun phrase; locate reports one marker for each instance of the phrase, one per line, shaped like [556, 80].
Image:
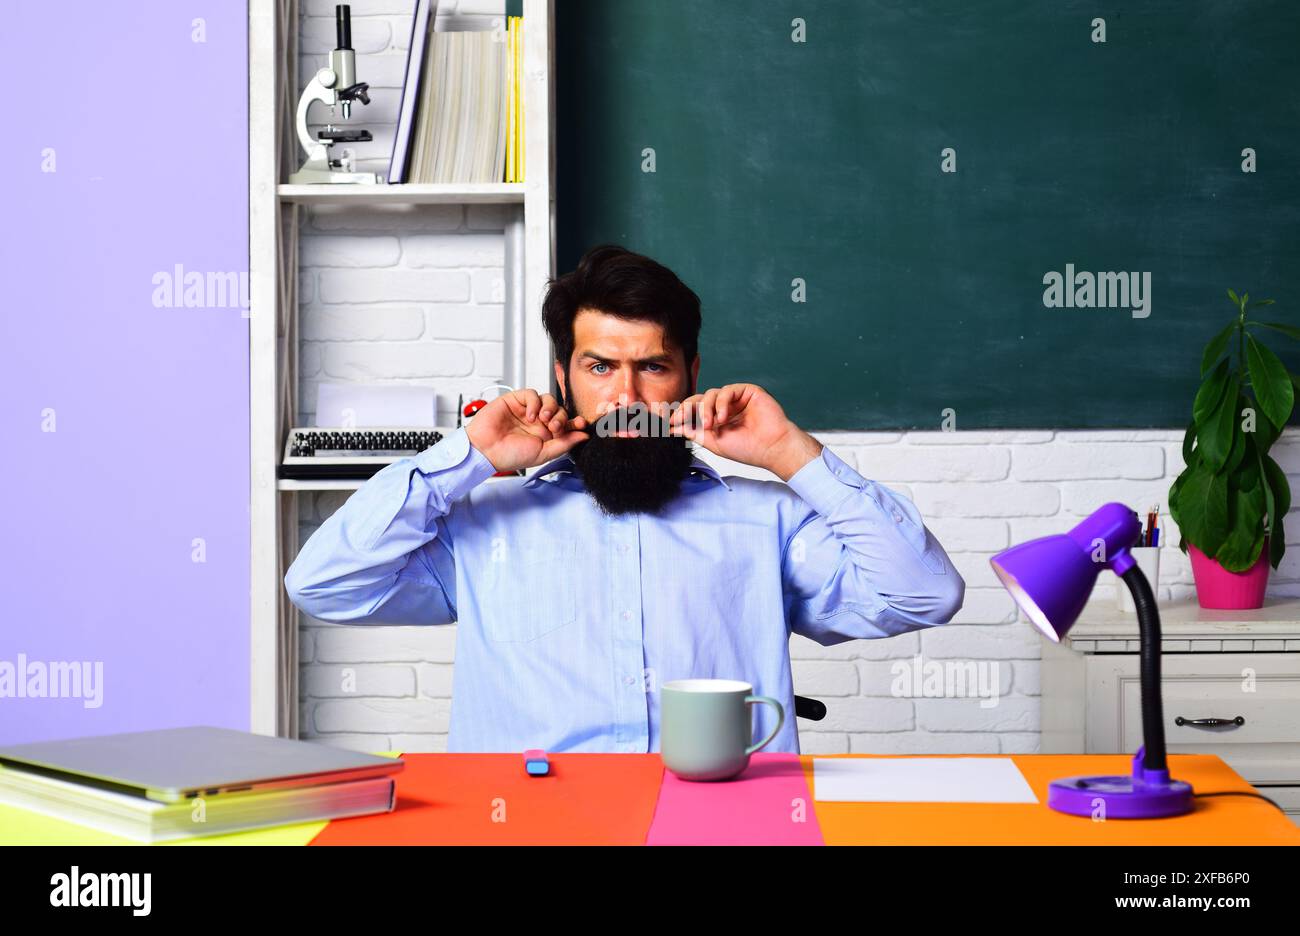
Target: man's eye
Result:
[655, 367]
[594, 366]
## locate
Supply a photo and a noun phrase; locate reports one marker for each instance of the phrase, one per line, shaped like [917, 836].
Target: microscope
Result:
[335, 85]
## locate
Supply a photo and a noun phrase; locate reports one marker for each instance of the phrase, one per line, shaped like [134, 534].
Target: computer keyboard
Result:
[323, 452]
[313, 454]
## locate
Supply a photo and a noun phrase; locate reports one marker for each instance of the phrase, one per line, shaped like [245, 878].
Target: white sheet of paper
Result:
[920, 780]
[362, 405]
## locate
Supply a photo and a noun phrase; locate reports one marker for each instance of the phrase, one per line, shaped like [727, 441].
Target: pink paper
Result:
[768, 804]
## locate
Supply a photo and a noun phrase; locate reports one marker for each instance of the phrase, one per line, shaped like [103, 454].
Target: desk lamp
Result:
[1051, 579]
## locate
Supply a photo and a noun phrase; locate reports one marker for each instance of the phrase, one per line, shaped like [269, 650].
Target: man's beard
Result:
[640, 474]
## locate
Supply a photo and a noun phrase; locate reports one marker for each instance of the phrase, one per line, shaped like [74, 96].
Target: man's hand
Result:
[521, 429]
[744, 423]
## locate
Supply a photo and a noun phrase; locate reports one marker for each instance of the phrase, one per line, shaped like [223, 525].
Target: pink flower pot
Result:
[1216, 587]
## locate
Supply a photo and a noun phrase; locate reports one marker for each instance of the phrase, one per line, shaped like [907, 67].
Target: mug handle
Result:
[780, 720]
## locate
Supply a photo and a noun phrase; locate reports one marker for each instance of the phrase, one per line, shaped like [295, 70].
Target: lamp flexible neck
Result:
[1153, 722]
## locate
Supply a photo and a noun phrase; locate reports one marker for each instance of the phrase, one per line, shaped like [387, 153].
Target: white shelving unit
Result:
[274, 218]
[490, 193]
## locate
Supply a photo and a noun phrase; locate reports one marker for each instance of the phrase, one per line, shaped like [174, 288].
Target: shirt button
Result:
[623, 548]
[626, 615]
[629, 680]
[898, 518]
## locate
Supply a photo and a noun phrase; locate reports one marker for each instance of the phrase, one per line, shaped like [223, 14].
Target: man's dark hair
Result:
[614, 280]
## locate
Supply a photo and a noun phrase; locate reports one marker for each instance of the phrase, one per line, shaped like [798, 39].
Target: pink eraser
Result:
[536, 762]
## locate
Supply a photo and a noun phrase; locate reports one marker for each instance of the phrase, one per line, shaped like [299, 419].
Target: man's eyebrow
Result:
[661, 358]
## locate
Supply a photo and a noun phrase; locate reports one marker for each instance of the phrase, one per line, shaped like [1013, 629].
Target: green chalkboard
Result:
[823, 160]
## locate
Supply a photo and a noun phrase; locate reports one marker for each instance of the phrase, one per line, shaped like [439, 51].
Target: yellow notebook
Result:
[512, 98]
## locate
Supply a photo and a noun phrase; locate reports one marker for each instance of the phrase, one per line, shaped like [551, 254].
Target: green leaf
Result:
[1289, 330]
[1189, 438]
[1174, 489]
[1277, 496]
[1175, 499]
[1248, 472]
[1264, 433]
[1270, 381]
[1216, 435]
[1233, 296]
[1278, 483]
[1210, 394]
[1203, 510]
[1261, 302]
[1274, 522]
[1240, 548]
[1238, 449]
[1214, 350]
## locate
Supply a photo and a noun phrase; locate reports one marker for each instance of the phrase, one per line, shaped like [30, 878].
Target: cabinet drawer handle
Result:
[1209, 722]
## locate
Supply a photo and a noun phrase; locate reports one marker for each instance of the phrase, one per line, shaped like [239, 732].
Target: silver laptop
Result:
[173, 764]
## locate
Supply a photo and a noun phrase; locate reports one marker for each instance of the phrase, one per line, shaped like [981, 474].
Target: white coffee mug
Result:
[706, 728]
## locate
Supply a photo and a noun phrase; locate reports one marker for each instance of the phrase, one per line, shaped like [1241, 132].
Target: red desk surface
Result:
[487, 799]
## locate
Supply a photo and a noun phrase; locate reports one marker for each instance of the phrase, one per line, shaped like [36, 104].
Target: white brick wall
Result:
[415, 296]
[403, 306]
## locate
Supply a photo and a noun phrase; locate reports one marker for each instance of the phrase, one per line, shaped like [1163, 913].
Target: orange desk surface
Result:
[1219, 820]
[615, 799]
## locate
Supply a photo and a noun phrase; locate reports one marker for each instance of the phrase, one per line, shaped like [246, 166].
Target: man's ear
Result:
[564, 393]
[695, 375]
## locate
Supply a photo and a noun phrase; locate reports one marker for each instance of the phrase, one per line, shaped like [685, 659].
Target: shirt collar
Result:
[699, 470]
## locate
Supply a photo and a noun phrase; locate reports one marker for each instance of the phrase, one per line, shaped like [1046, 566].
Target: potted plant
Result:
[1231, 499]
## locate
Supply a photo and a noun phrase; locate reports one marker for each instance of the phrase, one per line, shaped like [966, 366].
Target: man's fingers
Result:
[711, 409]
[558, 421]
[732, 401]
[687, 412]
[562, 443]
[554, 415]
[548, 408]
[523, 404]
[723, 406]
[707, 415]
[533, 405]
[517, 404]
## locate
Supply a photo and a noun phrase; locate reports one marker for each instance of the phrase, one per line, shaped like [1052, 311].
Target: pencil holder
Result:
[1148, 560]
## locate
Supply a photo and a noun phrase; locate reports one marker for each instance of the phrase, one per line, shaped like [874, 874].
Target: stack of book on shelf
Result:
[180, 783]
[461, 116]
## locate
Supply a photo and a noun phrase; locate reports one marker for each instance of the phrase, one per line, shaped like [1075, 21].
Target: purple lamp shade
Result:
[1052, 577]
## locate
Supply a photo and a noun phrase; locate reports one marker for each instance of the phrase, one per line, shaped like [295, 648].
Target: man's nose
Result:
[629, 392]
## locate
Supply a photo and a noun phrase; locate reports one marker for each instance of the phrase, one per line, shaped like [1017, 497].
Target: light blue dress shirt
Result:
[570, 621]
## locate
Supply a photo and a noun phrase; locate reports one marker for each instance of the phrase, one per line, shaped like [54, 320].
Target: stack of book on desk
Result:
[155, 786]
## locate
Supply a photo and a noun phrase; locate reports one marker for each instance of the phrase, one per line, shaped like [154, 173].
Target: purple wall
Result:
[150, 404]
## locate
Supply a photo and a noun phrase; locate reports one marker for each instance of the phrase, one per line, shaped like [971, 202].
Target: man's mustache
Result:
[638, 418]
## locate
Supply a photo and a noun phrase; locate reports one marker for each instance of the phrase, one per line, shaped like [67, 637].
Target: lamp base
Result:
[1146, 794]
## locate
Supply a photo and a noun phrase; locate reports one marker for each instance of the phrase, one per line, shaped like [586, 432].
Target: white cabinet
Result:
[1241, 667]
